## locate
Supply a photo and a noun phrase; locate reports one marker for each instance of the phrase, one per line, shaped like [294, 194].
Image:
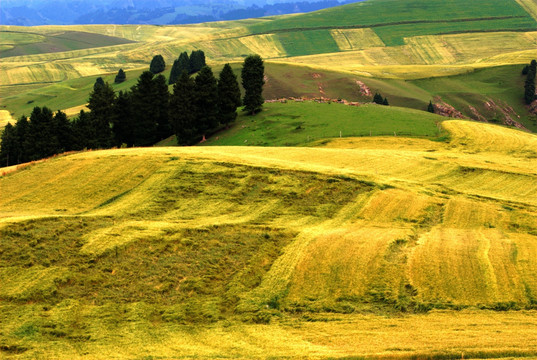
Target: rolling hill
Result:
[165, 247]
[408, 53]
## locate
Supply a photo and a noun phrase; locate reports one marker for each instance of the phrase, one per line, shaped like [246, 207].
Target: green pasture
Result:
[380, 12]
[308, 42]
[394, 35]
[20, 100]
[302, 123]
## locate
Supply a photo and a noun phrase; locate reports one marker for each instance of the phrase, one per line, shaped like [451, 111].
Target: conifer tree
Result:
[529, 85]
[377, 99]
[157, 65]
[9, 146]
[197, 61]
[120, 77]
[430, 107]
[183, 110]
[161, 105]
[98, 83]
[385, 101]
[252, 82]
[144, 112]
[21, 132]
[40, 141]
[123, 123]
[229, 95]
[101, 103]
[206, 100]
[179, 65]
[84, 132]
[64, 132]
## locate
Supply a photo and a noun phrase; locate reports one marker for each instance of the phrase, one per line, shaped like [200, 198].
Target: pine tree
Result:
[98, 83]
[157, 64]
[84, 132]
[229, 95]
[161, 102]
[179, 65]
[529, 84]
[8, 146]
[197, 61]
[144, 112]
[120, 77]
[529, 87]
[385, 101]
[377, 99]
[430, 107]
[206, 100]
[63, 130]
[40, 141]
[123, 123]
[183, 110]
[252, 82]
[101, 104]
[21, 130]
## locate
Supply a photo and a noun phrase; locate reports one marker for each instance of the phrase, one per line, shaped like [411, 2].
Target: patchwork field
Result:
[55, 66]
[280, 252]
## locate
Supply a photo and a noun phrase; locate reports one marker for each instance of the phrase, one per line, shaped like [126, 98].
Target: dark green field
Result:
[64, 41]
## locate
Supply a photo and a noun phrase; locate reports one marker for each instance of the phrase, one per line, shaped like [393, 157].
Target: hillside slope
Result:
[170, 236]
[205, 234]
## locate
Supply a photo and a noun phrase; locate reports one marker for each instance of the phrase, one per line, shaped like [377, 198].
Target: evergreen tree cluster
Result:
[44, 135]
[378, 99]
[200, 105]
[141, 116]
[191, 64]
[529, 85]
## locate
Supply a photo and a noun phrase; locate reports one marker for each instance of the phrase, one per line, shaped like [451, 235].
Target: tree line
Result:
[142, 116]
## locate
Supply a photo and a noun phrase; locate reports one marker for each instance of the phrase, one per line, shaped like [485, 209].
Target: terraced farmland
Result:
[308, 240]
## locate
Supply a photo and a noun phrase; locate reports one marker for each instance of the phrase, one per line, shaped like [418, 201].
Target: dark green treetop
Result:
[229, 95]
[120, 77]
[157, 64]
[252, 82]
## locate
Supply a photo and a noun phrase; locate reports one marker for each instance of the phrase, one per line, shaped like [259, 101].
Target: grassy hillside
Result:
[307, 239]
[501, 84]
[387, 17]
[302, 123]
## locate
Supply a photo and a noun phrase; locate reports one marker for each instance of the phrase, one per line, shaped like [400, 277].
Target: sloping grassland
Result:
[143, 244]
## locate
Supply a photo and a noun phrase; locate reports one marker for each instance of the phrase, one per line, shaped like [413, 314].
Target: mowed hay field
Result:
[363, 247]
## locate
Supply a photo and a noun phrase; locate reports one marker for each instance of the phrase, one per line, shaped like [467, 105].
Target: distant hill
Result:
[66, 12]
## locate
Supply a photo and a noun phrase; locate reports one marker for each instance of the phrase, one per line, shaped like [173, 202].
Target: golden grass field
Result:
[379, 230]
